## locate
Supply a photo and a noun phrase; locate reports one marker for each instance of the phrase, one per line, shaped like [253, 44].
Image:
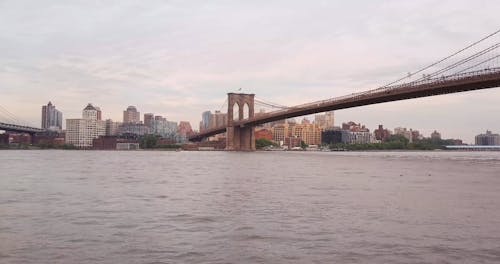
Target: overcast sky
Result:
[179, 58]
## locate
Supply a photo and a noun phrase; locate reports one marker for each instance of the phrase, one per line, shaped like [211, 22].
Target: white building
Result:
[81, 132]
[358, 137]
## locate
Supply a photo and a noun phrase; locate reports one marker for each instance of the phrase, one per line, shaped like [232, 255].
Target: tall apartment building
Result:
[51, 117]
[488, 139]
[209, 120]
[325, 121]
[149, 119]
[81, 131]
[112, 128]
[205, 120]
[218, 119]
[131, 115]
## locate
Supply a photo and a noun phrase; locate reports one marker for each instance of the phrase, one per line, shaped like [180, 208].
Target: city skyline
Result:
[325, 120]
[182, 65]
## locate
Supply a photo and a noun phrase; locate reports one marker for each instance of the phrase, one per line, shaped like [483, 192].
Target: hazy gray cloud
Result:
[179, 58]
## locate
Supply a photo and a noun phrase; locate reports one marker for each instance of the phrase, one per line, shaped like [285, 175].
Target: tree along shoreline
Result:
[397, 142]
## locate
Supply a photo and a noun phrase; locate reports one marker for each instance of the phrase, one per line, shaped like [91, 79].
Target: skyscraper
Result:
[149, 119]
[325, 120]
[131, 115]
[81, 131]
[206, 117]
[51, 117]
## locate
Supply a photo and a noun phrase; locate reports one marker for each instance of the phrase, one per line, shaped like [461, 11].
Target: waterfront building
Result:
[382, 134]
[309, 133]
[114, 143]
[332, 136]
[292, 142]
[402, 131]
[136, 129]
[264, 134]
[131, 115]
[149, 120]
[436, 135]
[164, 128]
[416, 136]
[488, 139]
[51, 117]
[358, 137]
[80, 132]
[280, 132]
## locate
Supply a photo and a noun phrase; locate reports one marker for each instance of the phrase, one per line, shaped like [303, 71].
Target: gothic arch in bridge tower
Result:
[236, 111]
[246, 112]
[239, 137]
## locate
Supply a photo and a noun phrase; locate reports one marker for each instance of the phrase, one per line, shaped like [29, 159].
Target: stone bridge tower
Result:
[239, 107]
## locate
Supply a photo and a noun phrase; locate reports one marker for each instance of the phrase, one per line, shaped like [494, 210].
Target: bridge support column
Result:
[240, 138]
[32, 138]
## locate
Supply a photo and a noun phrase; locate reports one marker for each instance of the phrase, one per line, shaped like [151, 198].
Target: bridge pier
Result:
[240, 139]
[240, 107]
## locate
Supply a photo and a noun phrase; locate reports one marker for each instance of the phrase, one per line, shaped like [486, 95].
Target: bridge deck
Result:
[20, 129]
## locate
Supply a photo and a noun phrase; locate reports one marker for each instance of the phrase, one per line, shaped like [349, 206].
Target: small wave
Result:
[90, 222]
[125, 226]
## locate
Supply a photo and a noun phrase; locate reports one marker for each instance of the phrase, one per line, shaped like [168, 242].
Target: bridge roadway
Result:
[20, 129]
[476, 80]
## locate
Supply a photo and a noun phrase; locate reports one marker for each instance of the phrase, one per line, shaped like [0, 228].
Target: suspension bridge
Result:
[473, 67]
[11, 123]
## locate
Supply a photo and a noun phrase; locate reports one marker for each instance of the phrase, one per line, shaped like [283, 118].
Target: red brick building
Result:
[264, 134]
[382, 134]
[51, 139]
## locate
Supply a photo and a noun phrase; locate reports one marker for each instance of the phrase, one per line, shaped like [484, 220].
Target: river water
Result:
[261, 207]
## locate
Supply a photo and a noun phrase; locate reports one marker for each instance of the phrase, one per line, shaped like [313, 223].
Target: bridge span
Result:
[240, 131]
[20, 129]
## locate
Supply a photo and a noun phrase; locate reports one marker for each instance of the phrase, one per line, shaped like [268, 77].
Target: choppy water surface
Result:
[263, 207]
